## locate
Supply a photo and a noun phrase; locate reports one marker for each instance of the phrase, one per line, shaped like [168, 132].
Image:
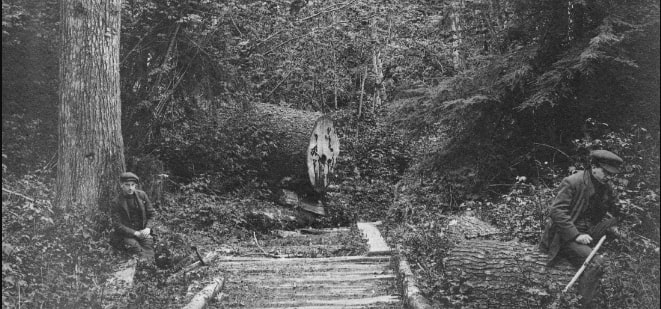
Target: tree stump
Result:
[495, 274]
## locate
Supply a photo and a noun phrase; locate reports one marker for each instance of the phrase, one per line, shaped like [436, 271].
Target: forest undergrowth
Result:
[55, 260]
[520, 208]
[496, 117]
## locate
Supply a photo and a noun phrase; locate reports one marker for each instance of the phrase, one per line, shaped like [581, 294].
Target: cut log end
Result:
[323, 151]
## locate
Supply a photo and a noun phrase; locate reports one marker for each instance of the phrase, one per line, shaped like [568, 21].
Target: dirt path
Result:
[364, 281]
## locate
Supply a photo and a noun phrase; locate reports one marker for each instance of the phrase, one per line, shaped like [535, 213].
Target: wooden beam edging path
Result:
[201, 299]
[412, 297]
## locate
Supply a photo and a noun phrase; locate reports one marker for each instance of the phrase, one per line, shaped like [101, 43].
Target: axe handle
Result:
[585, 264]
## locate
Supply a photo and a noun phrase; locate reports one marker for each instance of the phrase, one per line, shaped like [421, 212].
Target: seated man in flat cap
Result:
[578, 218]
[132, 213]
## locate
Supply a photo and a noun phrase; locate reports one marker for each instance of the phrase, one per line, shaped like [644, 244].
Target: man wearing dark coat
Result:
[132, 213]
[579, 217]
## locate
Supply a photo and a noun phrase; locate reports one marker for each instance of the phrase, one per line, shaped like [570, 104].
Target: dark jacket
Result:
[121, 218]
[578, 199]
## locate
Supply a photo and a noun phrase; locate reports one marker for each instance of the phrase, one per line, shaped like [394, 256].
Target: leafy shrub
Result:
[27, 144]
[425, 246]
[373, 158]
[51, 260]
[632, 278]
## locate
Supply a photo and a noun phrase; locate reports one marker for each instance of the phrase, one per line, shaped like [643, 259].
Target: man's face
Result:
[128, 187]
[601, 174]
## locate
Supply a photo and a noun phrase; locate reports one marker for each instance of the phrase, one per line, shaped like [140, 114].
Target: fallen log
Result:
[307, 147]
[201, 299]
[496, 274]
[291, 133]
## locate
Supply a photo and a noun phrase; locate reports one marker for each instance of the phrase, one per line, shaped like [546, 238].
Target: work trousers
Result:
[576, 253]
[143, 247]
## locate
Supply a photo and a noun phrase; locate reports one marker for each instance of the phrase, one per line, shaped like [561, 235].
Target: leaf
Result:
[9, 279]
[47, 220]
[7, 248]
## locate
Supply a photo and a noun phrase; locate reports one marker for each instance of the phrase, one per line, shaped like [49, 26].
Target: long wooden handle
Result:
[585, 264]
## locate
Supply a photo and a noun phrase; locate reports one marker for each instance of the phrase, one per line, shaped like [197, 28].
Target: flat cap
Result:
[606, 159]
[128, 176]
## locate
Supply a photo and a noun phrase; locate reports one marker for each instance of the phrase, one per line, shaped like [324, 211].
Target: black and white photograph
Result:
[328, 154]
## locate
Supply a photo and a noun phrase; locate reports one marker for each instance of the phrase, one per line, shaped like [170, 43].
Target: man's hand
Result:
[144, 233]
[583, 239]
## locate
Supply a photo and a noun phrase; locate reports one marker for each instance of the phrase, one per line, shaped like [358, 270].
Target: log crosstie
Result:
[335, 282]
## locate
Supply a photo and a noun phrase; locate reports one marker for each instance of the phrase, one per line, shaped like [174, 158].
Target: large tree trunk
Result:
[90, 152]
[293, 134]
[497, 274]
[291, 129]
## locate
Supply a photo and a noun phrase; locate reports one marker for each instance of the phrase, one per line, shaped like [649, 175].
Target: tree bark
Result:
[291, 130]
[497, 274]
[90, 150]
[457, 34]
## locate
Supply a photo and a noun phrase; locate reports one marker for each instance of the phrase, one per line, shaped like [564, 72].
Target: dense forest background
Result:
[442, 106]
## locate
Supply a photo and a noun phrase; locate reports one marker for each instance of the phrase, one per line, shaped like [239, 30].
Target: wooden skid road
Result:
[314, 283]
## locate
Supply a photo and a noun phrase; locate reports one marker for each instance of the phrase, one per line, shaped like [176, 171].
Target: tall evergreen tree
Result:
[90, 151]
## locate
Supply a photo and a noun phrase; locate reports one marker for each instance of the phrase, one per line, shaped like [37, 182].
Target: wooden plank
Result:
[314, 279]
[323, 293]
[395, 306]
[344, 302]
[275, 261]
[314, 275]
[302, 267]
[325, 231]
[377, 245]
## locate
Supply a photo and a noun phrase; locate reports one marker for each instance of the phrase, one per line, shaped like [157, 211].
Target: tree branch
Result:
[278, 85]
[328, 11]
[260, 247]
[556, 149]
[18, 194]
[166, 59]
